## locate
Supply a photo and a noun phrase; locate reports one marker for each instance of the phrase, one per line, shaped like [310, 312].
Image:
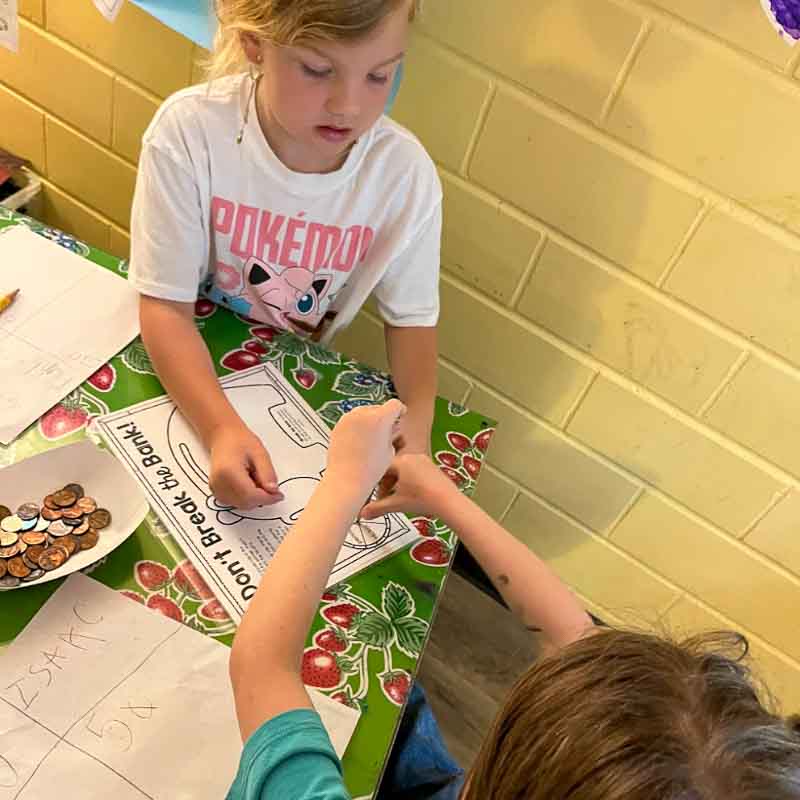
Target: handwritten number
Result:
[108, 727]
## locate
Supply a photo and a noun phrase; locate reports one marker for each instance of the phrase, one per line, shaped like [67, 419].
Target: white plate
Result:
[102, 477]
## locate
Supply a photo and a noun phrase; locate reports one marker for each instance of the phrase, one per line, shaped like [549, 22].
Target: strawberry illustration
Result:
[341, 615]
[135, 596]
[472, 465]
[239, 359]
[320, 669]
[457, 478]
[188, 580]
[151, 575]
[204, 308]
[63, 419]
[256, 347]
[395, 685]
[448, 459]
[264, 332]
[424, 526]
[346, 698]
[213, 610]
[482, 439]
[330, 640]
[305, 377]
[104, 379]
[431, 552]
[459, 441]
[164, 606]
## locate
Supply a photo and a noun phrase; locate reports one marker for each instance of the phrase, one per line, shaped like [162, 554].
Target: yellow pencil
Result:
[6, 301]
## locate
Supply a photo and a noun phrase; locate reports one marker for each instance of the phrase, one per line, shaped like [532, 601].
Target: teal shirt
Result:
[290, 757]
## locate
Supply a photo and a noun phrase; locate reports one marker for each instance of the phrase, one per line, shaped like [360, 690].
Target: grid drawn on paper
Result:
[63, 738]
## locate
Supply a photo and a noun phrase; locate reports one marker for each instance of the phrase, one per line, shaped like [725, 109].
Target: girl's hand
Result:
[362, 446]
[414, 485]
[242, 474]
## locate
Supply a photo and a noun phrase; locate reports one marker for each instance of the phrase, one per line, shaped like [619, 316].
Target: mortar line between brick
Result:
[480, 124]
[624, 72]
[637, 495]
[673, 21]
[684, 243]
[527, 273]
[735, 369]
[573, 409]
[776, 500]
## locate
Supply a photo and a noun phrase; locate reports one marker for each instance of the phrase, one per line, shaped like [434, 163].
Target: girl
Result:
[284, 194]
[609, 715]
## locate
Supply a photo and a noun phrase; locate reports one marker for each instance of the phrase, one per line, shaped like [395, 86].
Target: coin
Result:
[100, 519]
[5, 511]
[28, 511]
[58, 528]
[73, 512]
[81, 529]
[50, 503]
[3, 567]
[51, 514]
[71, 543]
[76, 489]
[64, 498]
[86, 504]
[7, 538]
[42, 523]
[72, 522]
[33, 537]
[17, 567]
[53, 557]
[89, 539]
[35, 575]
[10, 551]
[21, 547]
[9, 582]
[32, 554]
[11, 523]
[29, 524]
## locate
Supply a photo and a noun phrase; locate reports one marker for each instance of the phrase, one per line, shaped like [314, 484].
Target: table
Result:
[379, 672]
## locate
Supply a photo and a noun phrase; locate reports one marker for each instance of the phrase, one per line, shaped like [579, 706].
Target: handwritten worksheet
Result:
[70, 317]
[231, 547]
[103, 698]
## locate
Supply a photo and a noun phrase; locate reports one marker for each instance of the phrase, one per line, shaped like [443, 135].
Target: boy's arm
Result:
[268, 649]
[267, 653]
[412, 360]
[242, 473]
[530, 588]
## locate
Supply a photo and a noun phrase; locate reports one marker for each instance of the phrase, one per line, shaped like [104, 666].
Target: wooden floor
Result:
[476, 652]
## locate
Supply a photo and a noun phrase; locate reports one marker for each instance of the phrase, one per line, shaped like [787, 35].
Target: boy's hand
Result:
[362, 445]
[242, 474]
[414, 485]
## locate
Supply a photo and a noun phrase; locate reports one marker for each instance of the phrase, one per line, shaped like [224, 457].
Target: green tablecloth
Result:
[377, 658]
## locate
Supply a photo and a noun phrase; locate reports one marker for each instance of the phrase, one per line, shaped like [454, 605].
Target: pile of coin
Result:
[37, 539]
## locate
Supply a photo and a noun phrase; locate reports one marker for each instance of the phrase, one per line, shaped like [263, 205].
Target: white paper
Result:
[102, 477]
[108, 8]
[70, 317]
[232, 547]
[103, 698]
[9, 25]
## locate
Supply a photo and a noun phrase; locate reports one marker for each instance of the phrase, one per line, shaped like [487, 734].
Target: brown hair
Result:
[634, 716]
[288, 21]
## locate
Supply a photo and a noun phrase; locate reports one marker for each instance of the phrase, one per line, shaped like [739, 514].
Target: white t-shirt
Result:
[299, 251]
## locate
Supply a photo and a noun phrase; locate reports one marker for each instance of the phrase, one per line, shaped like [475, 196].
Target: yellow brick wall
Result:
[621, 272]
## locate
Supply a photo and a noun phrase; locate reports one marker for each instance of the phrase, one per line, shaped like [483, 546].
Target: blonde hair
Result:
[285, 22]
[632, 716]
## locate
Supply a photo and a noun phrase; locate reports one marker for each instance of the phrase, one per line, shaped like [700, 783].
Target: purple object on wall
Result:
[787, 14]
